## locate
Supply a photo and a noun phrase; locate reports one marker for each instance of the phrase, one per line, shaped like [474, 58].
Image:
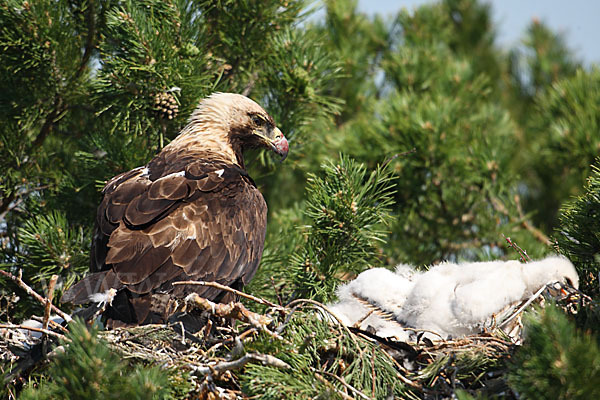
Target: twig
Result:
[30, 328]
[403, 154]
[15, 199]
[327, 383]
[580, 293]
[527, 303]
[49, 299]
[5, 203]
[358, 323]
[264, 359]
[90, 42]
[276, 291]
[490, 339]
[522, 253]
[242, 336]
[287, 319]
[182, 332]
[51, 323]
[404, 379]
[319, 305]
[228, 289]
[51, 119]
[36, 296]
[342, 381]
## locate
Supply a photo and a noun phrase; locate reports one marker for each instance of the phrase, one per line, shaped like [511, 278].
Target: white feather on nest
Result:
[450, 299]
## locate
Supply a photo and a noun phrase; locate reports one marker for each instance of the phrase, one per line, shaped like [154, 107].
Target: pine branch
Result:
[348, 209]
[16, 198]
[34, 329]
[87, 359]
[36, 296]
[578, 238]
[49, 122]
[556, 358]
[91, 39]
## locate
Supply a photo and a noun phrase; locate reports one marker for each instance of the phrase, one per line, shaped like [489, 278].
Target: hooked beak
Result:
[279, 144]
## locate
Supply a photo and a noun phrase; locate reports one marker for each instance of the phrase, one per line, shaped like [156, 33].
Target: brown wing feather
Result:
[196, 221]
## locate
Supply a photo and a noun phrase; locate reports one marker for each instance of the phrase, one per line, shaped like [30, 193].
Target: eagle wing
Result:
[198, 221]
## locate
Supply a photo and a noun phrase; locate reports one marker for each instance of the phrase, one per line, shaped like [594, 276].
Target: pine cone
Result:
[165, 105]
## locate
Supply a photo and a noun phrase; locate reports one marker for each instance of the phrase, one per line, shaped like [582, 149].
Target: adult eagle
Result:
[192, 213]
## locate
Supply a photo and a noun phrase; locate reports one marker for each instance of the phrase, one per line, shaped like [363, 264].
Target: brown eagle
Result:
[192, 213]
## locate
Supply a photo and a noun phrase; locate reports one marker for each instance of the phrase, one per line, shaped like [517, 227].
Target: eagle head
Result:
[238, 121]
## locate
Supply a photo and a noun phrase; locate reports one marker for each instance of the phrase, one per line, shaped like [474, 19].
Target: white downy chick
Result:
[450, 299]
[453, 299]
[381, 288]
[551, 269]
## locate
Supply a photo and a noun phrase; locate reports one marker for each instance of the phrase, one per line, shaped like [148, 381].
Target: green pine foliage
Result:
[489, 143]
[568, 122]
[549, 86]
[578, 237]
[557, 361]
[48, 245]
[339, 231]
[88, 369]
[297, 77]
[452, 189]
[424, 91]
[347, 209]
[43, 72]
[543, 60]
[53, 247]
[319, 350]
[94, 89]
[150, 49]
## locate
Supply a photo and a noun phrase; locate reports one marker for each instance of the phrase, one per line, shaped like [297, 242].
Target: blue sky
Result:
[579, 20]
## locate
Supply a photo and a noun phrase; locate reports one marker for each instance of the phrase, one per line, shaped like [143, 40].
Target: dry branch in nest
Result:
[231, 290]
[213, 355]
[233, 310]
[44, 301]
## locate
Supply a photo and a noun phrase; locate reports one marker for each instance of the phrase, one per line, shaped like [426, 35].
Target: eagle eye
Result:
[258, 121]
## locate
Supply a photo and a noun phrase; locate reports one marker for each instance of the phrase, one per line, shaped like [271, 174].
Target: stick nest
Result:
[214, 358]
